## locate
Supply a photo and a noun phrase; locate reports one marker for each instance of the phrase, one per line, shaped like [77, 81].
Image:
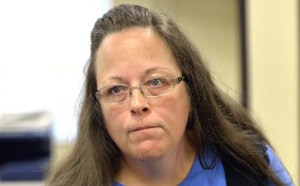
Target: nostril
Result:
[133, 111]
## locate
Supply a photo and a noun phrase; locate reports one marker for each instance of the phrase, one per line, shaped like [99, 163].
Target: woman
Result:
[152, 115]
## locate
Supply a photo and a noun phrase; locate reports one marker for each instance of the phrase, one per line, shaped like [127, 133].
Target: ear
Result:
[97, 95]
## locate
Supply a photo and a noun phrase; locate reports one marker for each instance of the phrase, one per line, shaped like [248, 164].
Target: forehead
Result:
[133, 50]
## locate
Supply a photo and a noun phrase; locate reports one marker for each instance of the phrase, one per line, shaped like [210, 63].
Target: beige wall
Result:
[214, 27]
[274, 75]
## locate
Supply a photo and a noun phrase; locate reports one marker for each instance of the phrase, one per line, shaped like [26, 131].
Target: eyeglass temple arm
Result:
[178, 80]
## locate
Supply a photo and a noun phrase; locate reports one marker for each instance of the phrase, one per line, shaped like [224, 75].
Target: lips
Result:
[143, 128]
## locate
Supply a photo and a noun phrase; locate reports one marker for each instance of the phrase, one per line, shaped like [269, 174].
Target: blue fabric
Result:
[216, 176]
[278, 168]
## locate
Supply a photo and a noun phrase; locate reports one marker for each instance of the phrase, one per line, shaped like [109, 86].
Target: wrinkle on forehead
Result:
[126, 37]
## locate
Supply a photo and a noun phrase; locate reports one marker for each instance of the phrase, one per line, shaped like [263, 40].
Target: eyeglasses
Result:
[153, 87]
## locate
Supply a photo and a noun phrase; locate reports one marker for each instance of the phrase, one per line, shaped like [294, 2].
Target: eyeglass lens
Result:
[153, 87]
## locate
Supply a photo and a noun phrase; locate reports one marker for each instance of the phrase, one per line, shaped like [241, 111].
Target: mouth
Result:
[143, 128]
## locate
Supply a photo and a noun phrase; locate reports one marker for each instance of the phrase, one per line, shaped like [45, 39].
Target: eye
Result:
[115, 90]
[155, 82]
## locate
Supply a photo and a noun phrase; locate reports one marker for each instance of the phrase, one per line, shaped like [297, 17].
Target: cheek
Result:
[114, 117]
[181, 102]
[175, 110]
[112, 112]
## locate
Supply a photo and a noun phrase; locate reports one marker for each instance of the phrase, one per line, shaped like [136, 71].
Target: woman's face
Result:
[142, 127]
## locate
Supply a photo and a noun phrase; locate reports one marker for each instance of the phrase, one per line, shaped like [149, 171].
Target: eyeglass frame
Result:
[175, 81]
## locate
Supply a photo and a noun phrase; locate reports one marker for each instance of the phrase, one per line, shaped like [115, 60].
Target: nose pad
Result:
[138, 88]
[138, 102]
[137, 94]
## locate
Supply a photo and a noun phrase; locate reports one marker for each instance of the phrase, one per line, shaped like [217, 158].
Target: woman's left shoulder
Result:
[278, 167]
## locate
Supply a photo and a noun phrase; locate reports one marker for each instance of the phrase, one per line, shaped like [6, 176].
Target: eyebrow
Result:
[148, 71]
[114, 77]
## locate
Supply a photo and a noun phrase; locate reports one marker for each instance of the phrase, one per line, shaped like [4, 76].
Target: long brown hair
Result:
[215, 121]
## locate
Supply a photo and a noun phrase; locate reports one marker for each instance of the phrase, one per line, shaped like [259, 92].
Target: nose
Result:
[138, 102]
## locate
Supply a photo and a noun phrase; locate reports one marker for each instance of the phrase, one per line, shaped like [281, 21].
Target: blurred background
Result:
[251, 47]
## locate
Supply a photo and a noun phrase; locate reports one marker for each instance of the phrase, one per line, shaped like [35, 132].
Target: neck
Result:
[170, 169]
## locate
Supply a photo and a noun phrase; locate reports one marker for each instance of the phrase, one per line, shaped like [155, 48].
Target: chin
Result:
[149, 152]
